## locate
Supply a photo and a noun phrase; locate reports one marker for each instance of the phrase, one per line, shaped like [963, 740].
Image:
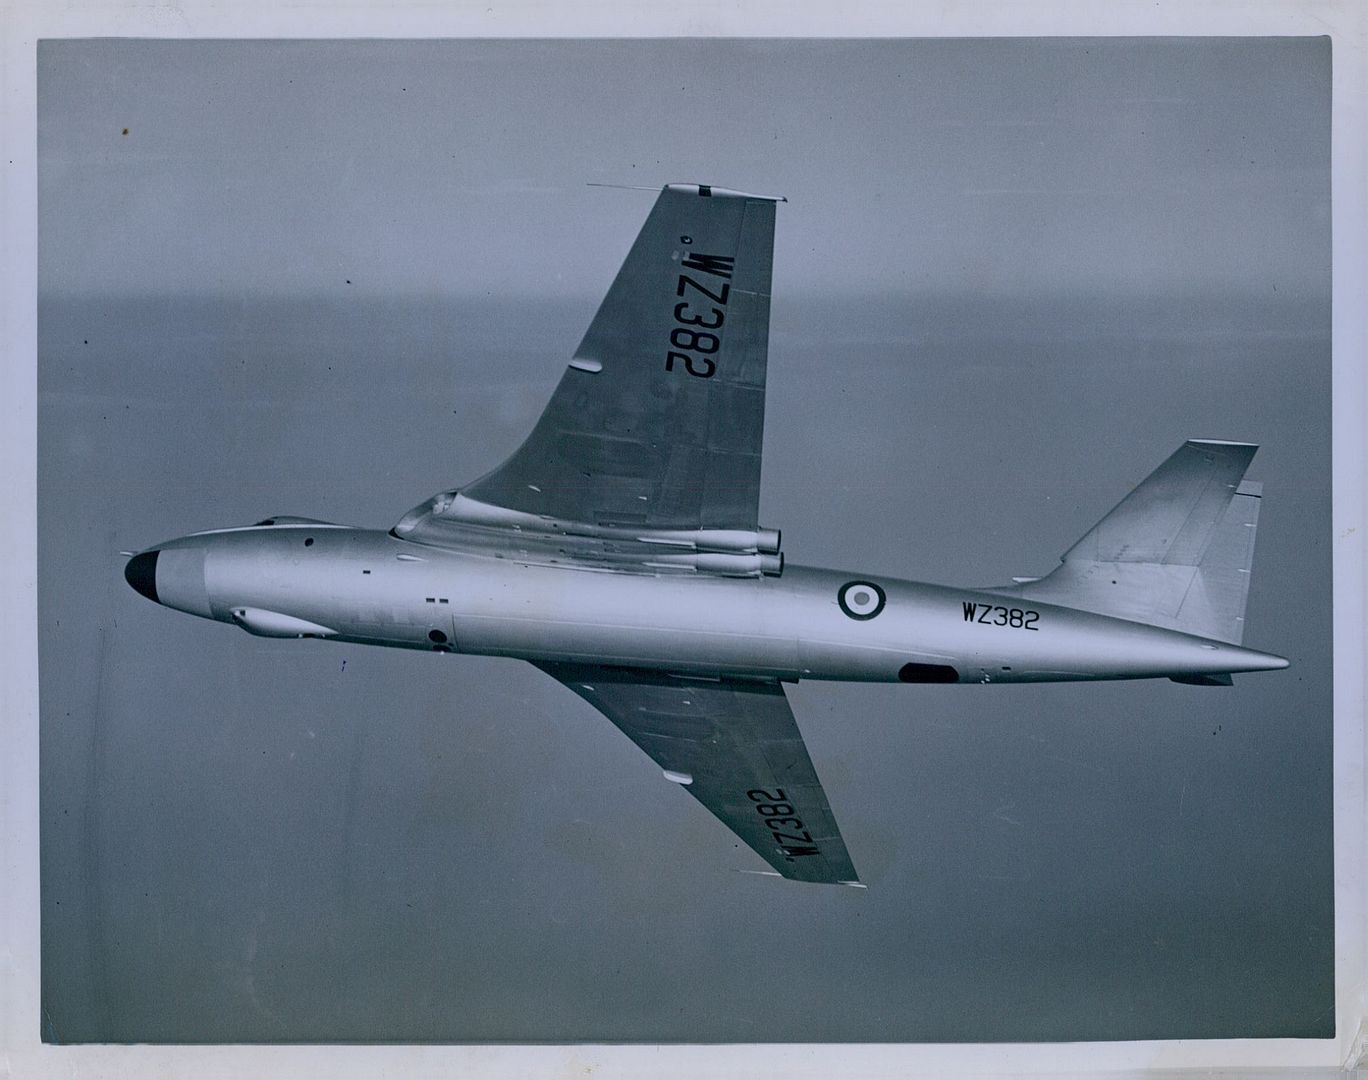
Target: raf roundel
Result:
[861, 599]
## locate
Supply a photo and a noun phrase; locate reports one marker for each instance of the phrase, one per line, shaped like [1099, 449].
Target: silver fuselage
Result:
[371, 587]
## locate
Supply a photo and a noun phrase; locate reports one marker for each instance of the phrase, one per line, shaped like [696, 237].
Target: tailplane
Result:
[1176, 552]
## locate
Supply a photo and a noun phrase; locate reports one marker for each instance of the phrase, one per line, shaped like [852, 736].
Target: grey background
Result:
[331, 279]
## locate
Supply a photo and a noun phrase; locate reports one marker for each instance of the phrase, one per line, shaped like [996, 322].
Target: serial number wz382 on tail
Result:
[619, 550]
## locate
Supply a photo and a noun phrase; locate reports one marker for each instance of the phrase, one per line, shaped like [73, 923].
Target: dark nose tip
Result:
[141, 573]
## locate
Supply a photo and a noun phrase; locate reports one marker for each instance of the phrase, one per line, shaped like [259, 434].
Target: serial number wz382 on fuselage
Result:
[618, 549]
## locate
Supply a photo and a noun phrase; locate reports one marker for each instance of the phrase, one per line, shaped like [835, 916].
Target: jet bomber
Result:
[619, 550]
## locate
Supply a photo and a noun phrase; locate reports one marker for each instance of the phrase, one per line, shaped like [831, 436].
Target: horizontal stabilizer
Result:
[1176, 552]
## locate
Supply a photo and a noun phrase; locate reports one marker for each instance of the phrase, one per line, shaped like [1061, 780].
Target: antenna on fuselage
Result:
[624, 187]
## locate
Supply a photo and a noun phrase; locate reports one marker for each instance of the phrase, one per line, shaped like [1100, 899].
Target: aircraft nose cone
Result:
[141, 573]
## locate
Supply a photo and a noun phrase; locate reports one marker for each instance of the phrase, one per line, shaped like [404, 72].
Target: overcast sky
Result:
[331, 279]
[442, 168]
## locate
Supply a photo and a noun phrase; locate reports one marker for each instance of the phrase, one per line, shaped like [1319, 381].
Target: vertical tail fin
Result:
[1176, 552]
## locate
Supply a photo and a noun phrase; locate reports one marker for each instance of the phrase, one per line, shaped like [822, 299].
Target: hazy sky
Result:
[444, 168]
[1013, 276]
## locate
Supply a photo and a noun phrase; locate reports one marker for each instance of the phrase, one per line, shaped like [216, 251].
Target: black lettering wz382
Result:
[794, 840]
[699, 315]
[991, 615]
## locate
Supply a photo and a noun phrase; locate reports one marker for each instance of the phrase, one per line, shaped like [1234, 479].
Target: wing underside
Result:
[735, 747]
[659, 418]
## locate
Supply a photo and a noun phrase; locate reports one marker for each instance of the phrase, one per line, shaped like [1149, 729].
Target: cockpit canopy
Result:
[287, 519]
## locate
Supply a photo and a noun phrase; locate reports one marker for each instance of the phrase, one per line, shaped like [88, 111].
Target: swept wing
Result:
[659, 418]
[657, 423]
[734, 746]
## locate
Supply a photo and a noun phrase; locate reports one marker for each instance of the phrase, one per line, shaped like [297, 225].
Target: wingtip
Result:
[775, 873]
[709, 191]
[706, 190]
[1225, 442]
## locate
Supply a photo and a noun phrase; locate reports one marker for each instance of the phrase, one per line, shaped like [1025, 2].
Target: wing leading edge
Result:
[659, 419]
[735, 747]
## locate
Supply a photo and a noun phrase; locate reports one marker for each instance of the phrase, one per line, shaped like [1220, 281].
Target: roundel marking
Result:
[861, 599]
